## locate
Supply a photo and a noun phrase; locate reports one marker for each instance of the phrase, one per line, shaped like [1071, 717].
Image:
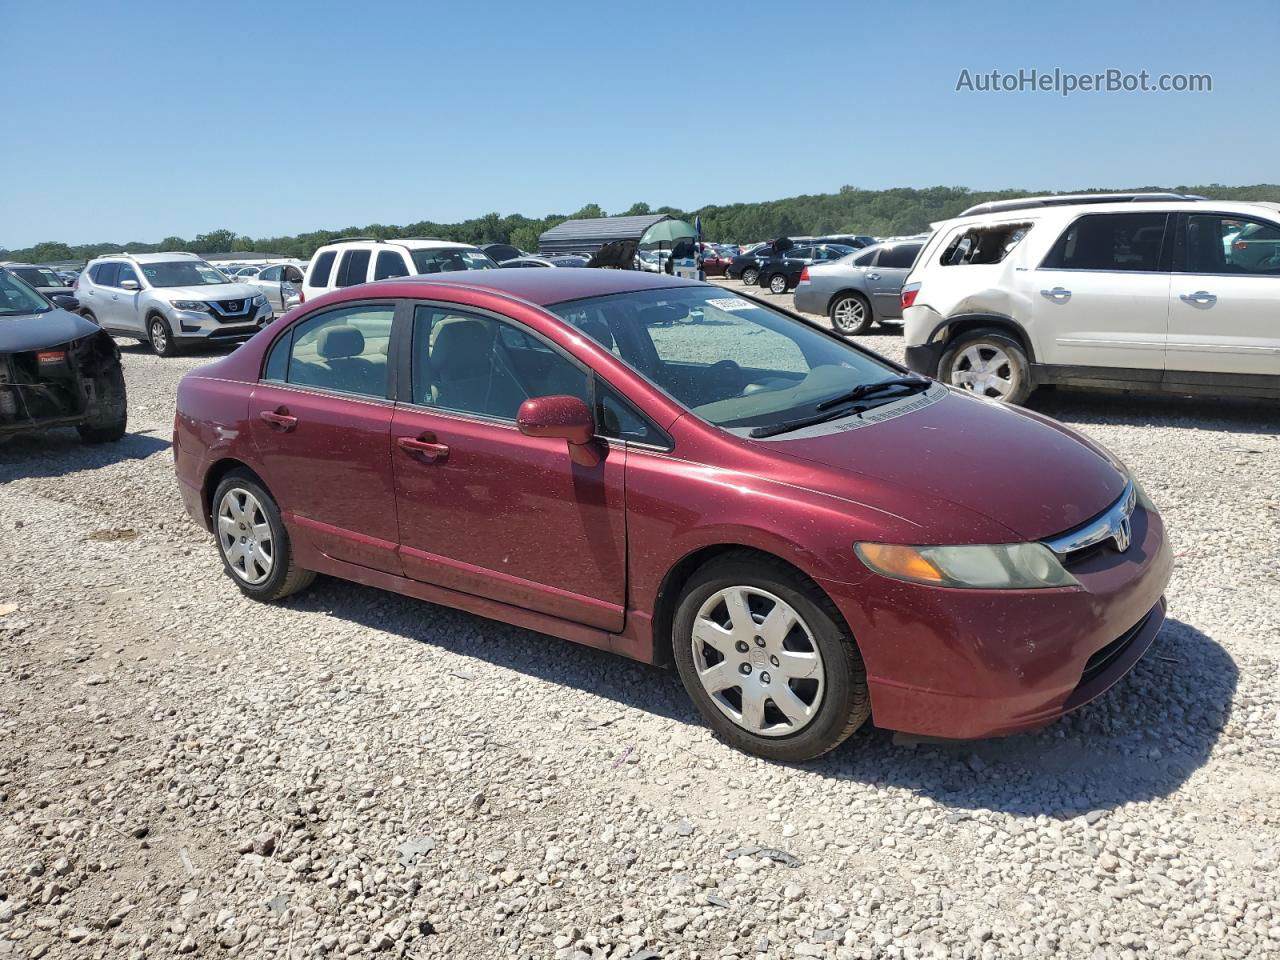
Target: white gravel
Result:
[352, 772]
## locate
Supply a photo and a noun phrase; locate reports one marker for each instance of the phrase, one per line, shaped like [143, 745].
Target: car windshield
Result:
[38, 276]
[733, 362]
[446, 259]
[181, 273]
[17, 298]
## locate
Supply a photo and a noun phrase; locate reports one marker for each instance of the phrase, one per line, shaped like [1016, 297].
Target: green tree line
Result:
[894, 212]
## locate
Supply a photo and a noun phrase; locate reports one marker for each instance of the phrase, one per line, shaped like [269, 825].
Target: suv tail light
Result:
[804, 275]
[302, 295]
[909, 293]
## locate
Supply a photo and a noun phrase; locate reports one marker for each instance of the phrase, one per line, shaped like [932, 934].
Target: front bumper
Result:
[190, 326]
[980, 663]
[924, 358]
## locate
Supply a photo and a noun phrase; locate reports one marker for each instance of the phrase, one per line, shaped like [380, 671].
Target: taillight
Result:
[76, 284]
[804, 275]
[909, 293]
[1240, 245]
[302, 296]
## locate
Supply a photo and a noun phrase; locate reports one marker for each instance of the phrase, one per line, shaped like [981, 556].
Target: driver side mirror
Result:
[129, 285]
[564, 418]
[66, 301]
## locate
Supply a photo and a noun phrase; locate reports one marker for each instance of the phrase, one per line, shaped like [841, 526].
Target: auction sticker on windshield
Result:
[730, 303]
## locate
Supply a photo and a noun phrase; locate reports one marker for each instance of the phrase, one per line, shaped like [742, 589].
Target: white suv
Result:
[353, 260]
[169, 300]
[1154, 292]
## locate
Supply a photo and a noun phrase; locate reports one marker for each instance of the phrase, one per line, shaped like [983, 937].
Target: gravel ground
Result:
[352, 772]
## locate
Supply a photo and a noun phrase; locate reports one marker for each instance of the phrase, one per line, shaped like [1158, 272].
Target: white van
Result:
[352, 260]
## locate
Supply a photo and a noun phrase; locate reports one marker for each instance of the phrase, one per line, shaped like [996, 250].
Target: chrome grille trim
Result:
[1113, 524]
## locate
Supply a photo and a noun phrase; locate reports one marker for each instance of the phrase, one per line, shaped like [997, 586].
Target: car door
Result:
[321, 421]
[95, 296]
[1224, 303]
[268, 281]
[484, 509]
[885, 280]
[1100, 297]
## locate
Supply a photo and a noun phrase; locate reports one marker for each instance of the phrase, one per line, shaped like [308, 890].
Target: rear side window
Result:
[390, 264]
[104, 274]
[322, 268]
[900, 257]
[277, 365]
[353, 268]
[866, 259]
[343, 350]
[1110, 241]
[1219, 244]
[983, 244]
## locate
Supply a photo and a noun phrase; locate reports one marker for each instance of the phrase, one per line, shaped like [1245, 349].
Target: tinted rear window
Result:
[353, 269]
[323, 266]
[1110, 241]
[901, 256]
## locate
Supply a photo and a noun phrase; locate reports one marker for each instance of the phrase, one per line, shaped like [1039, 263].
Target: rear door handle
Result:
[1203, 297]
[1057, 294]
[425, 448]
[873, 276]
[279, 419]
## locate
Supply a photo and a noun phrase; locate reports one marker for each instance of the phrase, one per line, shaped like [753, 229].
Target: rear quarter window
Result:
[321, 269]
[979, 244]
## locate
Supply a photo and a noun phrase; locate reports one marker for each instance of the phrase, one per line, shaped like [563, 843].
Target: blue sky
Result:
[140, 120]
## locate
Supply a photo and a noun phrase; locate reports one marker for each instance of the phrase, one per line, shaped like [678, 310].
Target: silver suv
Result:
[169, 300]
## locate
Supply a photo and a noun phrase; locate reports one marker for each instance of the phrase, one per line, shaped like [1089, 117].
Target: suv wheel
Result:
[778, 283]
[851, 315]
[989, 363]
[767, 659]
[161, 337]
[252, 540]
[750, 276]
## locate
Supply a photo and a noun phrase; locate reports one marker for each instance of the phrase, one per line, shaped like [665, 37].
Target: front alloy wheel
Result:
[750, 276]
[160, 338]
[777, 283]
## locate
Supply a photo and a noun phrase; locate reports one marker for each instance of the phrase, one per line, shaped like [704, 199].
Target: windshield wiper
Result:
[861, 392]
[787, 425]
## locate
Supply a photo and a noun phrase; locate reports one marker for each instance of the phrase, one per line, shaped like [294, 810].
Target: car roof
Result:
[545, 287]
[1078, 208]
[410, 243]
[150, 257]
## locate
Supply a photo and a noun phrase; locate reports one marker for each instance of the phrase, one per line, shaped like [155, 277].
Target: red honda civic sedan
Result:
[810, 533]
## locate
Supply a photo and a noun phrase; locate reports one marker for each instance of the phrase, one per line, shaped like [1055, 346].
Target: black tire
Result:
[851, 314]
[845, 703]
[88, 315]
[750, 276]
[286, 576]
[778, 283]
[110, 416]
[1015, 369]
[160, 336]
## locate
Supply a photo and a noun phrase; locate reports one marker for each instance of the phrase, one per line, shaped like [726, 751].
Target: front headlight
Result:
[1000, 566]
[197, 305]
[260, 299]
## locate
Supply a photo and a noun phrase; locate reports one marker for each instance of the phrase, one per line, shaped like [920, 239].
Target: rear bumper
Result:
[981, 663]
[810, 300]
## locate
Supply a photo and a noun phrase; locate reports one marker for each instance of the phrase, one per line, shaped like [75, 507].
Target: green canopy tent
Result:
[667, 232]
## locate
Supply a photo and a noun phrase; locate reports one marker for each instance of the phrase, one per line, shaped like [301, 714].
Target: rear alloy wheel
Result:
[778, 283]
[252, 540]
[750, 276]
[161, 337]
[851, 315]
[988, 363]
[767, 660]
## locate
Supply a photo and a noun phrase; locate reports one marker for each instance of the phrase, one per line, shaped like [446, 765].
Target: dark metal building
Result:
[588, 236]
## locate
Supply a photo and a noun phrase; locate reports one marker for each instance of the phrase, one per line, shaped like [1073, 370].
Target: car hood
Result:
[31, 331]
[1028, 473]
[210, 291]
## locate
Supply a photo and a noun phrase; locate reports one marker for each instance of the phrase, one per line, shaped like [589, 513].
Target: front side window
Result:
[390, 263]
[448, 259]
[1110, 241]
[178, 273]
[126, 273]
[481, 365]
[353, 269]
[733, 362]
[104, 274]
[343, 350]
[18, 298]
[1219, 244]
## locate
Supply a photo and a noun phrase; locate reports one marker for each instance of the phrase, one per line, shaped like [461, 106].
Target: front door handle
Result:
[279, 419]
[1202, 297]
[1057, 294]
[873, 276]
[425, 448]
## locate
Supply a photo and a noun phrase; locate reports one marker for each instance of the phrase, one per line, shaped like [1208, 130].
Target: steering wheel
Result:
[730, 372]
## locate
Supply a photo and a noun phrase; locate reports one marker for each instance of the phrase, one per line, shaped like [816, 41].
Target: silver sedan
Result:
[859, 290]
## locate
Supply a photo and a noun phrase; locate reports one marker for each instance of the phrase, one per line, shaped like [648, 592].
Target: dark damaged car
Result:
[57, 369]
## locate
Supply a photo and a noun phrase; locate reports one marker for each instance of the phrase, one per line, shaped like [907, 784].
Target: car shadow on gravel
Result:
[1228, 414]
[56, 453]
[1140, 740]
